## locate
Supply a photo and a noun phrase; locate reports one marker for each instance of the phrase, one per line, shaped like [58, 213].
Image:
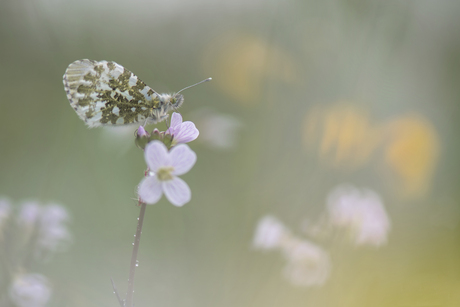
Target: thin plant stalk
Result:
[132, 267]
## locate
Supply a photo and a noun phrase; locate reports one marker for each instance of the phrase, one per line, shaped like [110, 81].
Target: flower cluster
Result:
[359, 214]
[164, 166]
[307, 264]
[30, 236]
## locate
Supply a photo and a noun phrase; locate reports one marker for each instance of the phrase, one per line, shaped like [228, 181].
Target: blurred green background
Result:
[323, 92]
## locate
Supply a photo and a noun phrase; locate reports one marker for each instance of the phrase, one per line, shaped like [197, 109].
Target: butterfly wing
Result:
[106, 93]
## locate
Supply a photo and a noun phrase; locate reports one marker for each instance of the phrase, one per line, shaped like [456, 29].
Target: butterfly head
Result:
[177, 100]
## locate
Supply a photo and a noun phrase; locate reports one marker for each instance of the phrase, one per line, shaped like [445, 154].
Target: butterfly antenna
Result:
[205, 80]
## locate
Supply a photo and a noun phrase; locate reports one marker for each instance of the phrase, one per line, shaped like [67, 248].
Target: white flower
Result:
[165, 167]
[182, 132]
[361, 213]
[308, 264]
[30, 290]
[269, 233]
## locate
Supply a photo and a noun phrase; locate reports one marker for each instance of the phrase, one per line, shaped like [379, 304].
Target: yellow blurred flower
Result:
[412, 152]
[346, 137]
[241, 64]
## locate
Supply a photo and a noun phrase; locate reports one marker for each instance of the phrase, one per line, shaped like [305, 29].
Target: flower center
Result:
[165, 173]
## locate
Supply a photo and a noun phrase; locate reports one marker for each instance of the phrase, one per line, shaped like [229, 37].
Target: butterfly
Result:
[106, 93]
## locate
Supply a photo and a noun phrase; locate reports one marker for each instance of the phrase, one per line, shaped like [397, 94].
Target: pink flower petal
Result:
[176, 121]
[182, 159]
[177, 191]
[150, 190]
[156, 155]
[187, 133]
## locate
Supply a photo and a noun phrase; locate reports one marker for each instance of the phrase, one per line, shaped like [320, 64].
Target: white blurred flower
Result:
[217, 130]
[47, 223]
[53, 232]
[269, 233]
[165, 167]
[28, 222]
[29, 214]
[308, 264]
[30, 290]
[361, 213]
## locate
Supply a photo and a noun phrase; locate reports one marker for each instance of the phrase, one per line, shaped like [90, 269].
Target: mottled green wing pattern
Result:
[105, 93]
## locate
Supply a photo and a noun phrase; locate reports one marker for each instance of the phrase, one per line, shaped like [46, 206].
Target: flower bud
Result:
[142, 137]
[142, 133]
[167, 140]
[156, 135]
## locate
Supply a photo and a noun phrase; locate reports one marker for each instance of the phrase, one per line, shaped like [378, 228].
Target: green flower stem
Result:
[132, 268]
